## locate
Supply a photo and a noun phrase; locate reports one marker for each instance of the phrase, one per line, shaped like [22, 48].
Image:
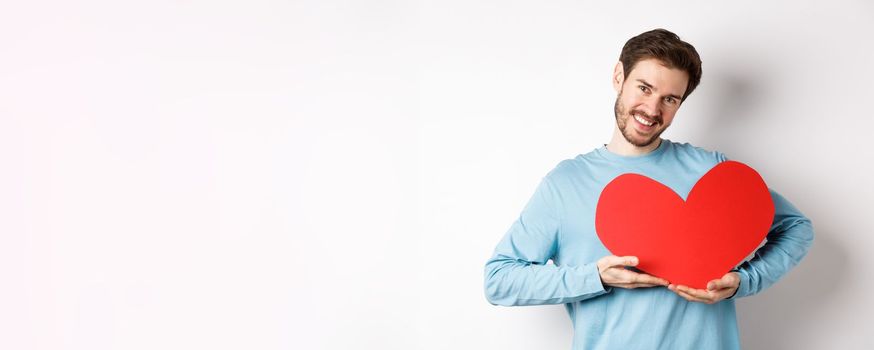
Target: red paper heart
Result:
[724, 219]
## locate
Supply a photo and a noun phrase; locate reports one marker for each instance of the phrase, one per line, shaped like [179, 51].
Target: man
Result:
[611, 305]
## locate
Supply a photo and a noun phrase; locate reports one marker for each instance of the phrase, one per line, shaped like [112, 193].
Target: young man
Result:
[613, 307]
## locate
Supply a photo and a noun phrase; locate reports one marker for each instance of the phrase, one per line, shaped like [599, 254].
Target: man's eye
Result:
[670, 100]
[643, 88]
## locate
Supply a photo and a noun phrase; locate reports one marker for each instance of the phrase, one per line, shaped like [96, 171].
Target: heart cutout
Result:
[725, 217]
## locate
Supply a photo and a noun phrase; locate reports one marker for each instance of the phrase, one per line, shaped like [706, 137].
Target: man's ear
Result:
[618, 77]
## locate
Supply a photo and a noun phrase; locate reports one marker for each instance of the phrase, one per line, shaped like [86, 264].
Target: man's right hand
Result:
[613, 273]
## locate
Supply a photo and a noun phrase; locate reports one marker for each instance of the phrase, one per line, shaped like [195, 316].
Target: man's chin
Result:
[642, 145]
[634, 137]
[641, 142]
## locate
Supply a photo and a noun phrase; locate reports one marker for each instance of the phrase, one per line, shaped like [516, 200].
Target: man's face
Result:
[648, 99]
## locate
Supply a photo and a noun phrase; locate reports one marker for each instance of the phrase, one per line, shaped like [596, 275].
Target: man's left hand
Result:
[717, 289]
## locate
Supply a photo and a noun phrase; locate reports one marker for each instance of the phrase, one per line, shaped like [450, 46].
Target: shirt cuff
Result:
[591, 285]
[599, 286]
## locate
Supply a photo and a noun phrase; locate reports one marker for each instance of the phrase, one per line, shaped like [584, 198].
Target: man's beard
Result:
[622, 123]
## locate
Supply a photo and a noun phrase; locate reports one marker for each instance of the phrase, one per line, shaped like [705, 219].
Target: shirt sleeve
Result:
[518, 273]
[788, 241]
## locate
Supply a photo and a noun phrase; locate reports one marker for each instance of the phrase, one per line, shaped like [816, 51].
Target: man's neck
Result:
[620, 146]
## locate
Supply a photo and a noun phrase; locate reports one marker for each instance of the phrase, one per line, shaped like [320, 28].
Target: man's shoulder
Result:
[572, 167]
[564, 168]
[687, 151]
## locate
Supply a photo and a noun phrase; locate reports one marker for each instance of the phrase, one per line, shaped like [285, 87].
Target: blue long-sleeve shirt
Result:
[558, 224]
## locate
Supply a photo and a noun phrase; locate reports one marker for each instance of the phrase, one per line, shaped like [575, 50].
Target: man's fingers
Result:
[613, 272]
[727, 281]
[613, 261]
[716, 284]
[684, 295]
[649, 279]
[676, 289]
[635, 285]
[638, 285]
[697, 295]
[624, 278]
[693, 298]
[619, 276]
[628, 276]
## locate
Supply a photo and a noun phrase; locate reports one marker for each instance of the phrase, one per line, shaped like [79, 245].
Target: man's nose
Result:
[652, 105]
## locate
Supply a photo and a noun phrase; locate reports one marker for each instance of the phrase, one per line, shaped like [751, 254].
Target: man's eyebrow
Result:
[654, 89]
[645, 83]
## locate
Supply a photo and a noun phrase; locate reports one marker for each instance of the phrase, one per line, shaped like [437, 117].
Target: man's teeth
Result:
[643, 121]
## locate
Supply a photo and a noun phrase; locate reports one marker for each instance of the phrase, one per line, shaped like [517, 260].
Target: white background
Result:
[333, 175]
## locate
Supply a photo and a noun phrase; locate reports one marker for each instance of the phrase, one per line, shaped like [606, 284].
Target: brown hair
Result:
[666, 47]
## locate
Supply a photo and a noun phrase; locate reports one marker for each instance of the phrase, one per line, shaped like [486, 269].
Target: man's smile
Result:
[644, 122]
